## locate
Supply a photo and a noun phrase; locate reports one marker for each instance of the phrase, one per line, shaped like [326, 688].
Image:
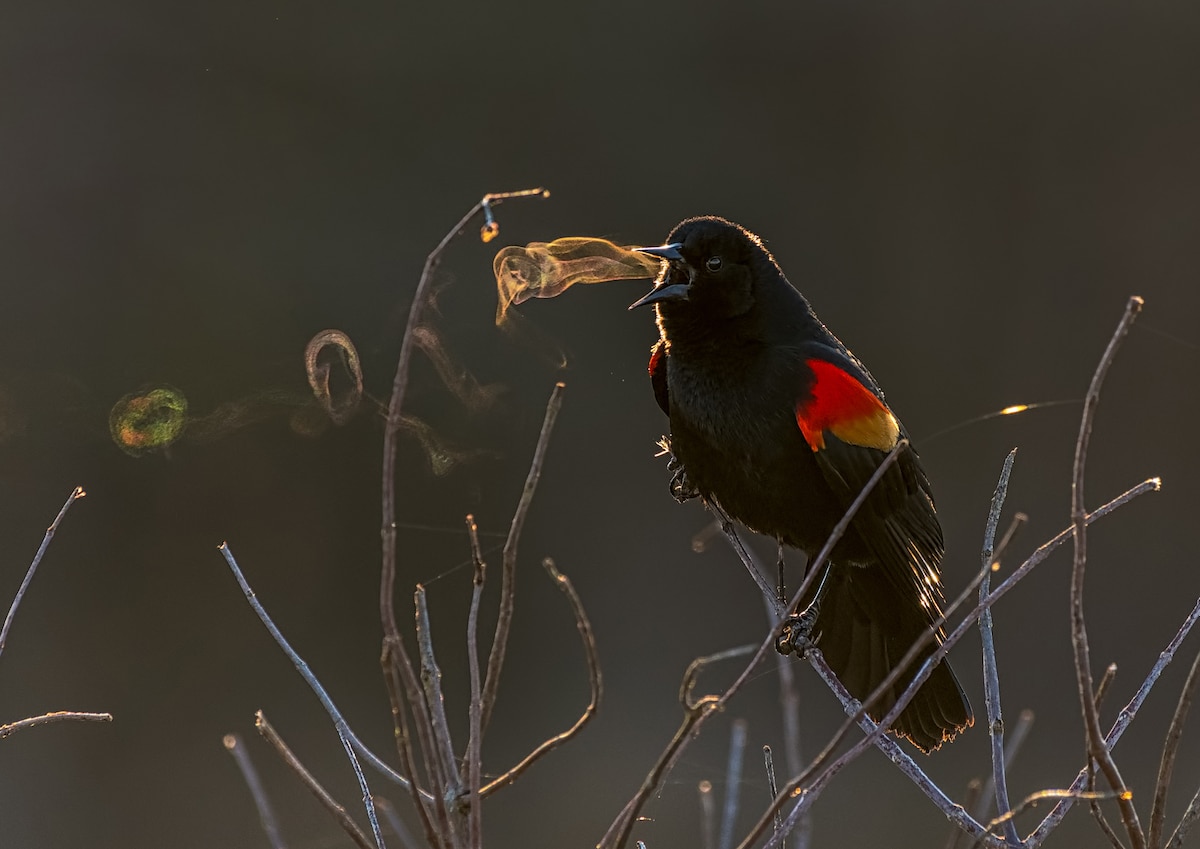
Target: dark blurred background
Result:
[968, 193]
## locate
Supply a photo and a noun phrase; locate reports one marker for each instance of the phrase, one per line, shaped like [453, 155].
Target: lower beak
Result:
[670, 292]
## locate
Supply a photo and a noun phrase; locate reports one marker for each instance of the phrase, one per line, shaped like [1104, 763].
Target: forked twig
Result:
[594, 680]
[1096, 746]
[695, 711]
[396, 403]
[339, 722]
[330, 804]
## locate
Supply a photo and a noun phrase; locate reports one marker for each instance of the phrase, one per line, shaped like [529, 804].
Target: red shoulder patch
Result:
[841, 405]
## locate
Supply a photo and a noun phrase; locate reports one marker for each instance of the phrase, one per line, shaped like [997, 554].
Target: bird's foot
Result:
[681, 487]
[796, 635]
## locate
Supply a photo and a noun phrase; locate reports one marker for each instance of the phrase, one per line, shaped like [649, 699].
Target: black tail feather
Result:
[863, 631]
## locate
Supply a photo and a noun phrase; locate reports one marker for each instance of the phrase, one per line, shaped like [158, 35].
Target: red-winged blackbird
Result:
[774, 419]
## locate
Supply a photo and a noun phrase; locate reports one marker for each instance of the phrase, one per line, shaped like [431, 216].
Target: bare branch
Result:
[1096, 746]
[473, 760]
[508, 575]
[403, 688]
[431, 681]
[1170, 749]
[772, 784]
[328, 802]
[1110, 673]
[427, 806]
[339, 723]
[76, 494]
[594, 680]
[56, 716]
[991, 674]
[1032, 800]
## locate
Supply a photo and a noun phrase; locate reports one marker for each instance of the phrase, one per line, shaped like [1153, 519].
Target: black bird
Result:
[774, 419]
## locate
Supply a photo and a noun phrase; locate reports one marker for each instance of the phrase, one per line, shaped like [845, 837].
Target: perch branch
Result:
[472, 771]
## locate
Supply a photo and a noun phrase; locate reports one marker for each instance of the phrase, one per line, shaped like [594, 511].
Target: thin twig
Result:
[431, 681]
[328, 802]
[508, 575]
[694, 712]
[1032, 800]
[991, 674]
[772, 784]
[391, 432]
[473, 760]
[1170, 749]
[76, 494]
[1124, 718]
[404, 688]
[1096, 747]
[1110, 673]
[708, 816]
[595, 682]
[733, 782]
[55, 716]
[266, 814]
[339, 721]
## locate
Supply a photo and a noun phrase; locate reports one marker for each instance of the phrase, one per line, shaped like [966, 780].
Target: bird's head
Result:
[709, 270]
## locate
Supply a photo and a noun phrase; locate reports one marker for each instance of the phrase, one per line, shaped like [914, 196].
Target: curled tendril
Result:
[340, 409]
[148, 420]
[547, 269]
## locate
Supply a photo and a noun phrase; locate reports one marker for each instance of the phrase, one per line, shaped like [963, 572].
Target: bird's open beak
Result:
[667, 292]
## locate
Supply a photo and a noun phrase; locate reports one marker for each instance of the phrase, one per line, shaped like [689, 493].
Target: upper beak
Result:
[668, 292]
[670, 251]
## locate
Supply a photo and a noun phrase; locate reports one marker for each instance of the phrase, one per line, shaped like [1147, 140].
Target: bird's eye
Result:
[714, 263]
